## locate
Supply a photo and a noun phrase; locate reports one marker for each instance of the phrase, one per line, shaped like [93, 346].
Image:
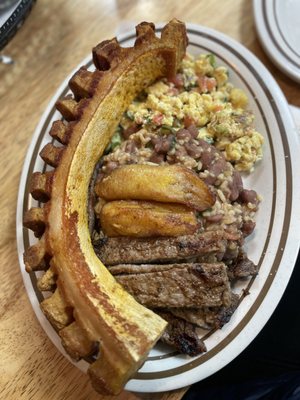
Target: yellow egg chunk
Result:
[245, 151]
[238, 98]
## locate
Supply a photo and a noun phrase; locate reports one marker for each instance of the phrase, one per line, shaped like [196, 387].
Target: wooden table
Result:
[56, 37]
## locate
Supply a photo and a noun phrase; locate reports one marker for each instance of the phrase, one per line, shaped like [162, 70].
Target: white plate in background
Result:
[274, 245]
[278, 27]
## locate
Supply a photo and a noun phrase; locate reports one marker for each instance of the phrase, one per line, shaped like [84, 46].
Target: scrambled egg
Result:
[245, 151]
[201, 95]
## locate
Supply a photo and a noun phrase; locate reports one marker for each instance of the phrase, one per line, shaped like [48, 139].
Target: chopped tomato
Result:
[206, 84]
[177, 80]
[173, 91]
[218, 107]
[157, 119]
[188, 121]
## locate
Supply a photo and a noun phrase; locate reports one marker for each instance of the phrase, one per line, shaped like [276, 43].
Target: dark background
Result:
[269, 368]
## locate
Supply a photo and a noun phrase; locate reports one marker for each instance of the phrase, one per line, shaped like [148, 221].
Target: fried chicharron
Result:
[88, 308]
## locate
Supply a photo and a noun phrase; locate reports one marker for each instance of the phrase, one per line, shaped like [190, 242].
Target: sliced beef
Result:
[232, 252]
[224, 314]
[208, 317]
[127, 250]
[176, 285]
[182, 335]
[242, 267]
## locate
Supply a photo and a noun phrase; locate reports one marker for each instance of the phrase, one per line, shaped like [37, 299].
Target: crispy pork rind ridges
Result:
[88, 308]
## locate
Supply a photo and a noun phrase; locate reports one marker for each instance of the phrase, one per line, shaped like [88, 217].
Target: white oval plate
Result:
[273, 246]
[277, 24]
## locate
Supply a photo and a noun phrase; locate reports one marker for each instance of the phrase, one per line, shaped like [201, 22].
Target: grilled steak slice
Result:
[242, 267]
[176, 285]
[127, 250]
[208, 317]
[182, 335]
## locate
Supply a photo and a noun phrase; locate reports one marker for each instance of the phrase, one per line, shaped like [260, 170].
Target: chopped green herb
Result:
[148, 120]
[198, 214]
[177, 123]
[173, 143]
[108, 149]
[212, 60]
[116, 140]
[189, 85]
[221, 128]
[167, 128]
[189, 82]
[209, 139]
[149, 145]
[129, 115]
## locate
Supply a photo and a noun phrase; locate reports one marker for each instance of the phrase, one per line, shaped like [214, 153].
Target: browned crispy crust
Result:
[166, 285]
[88, 305]
[181, 334]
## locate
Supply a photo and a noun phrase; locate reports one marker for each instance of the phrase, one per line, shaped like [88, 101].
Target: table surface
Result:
[55, 38]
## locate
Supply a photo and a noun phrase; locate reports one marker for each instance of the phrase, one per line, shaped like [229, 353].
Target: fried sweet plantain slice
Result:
[147, 219]
[86, 293]
[164, 183]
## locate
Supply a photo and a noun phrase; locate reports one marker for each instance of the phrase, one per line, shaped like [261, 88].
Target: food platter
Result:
[278, 29]
[274, 245]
